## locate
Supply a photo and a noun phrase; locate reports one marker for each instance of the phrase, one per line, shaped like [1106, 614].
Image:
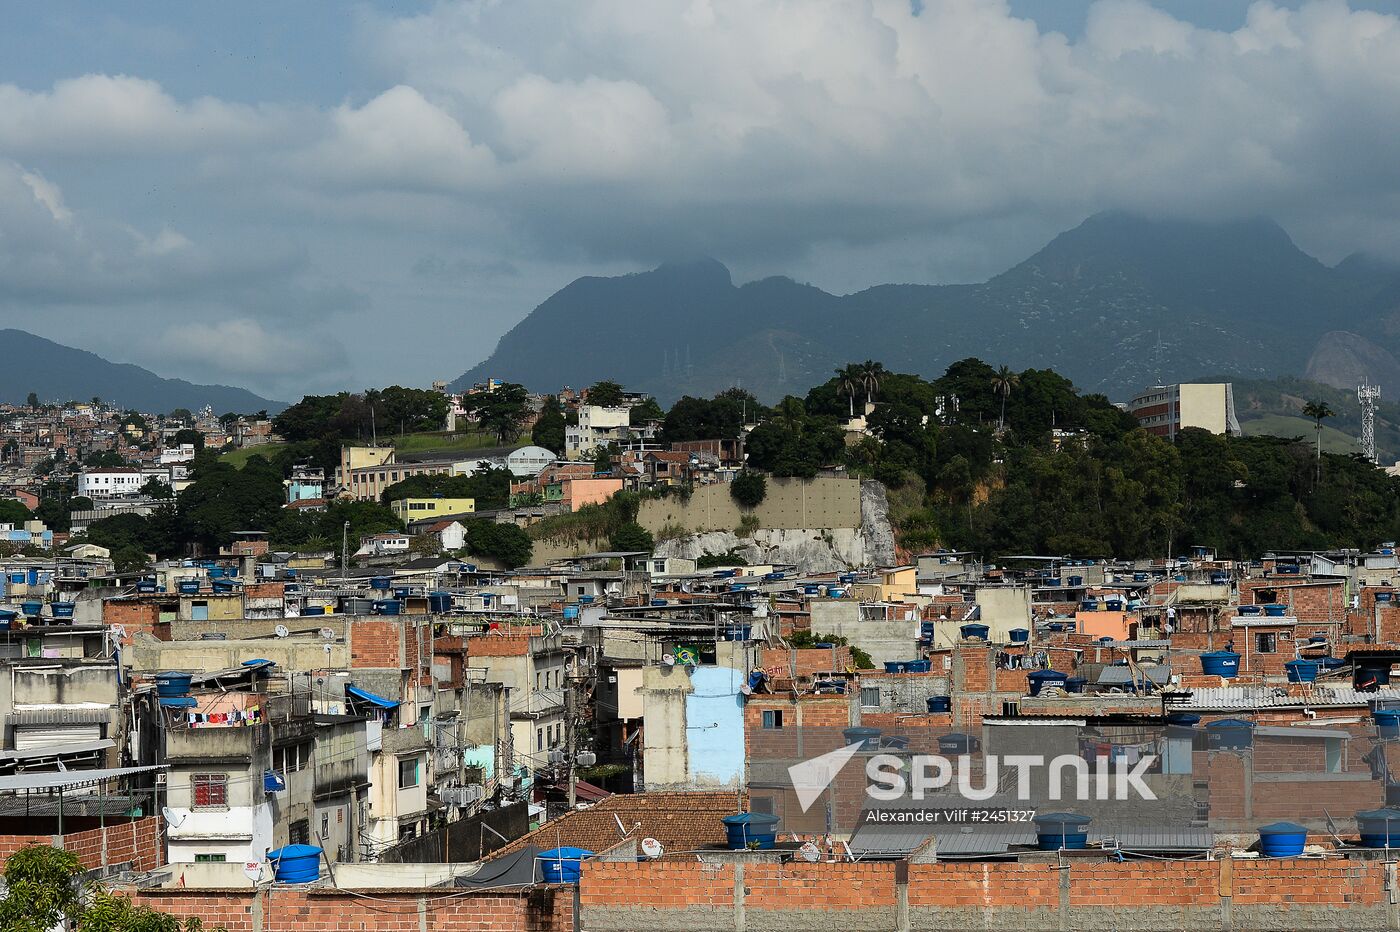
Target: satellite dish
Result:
[652, 848]
[746, 689]
[252, 870]
[328, 634]
[171, 818]
[668, 660]
[281, 631]
[810, 853]
[327, 648]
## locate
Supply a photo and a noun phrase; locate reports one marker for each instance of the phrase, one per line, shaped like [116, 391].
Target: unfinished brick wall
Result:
[135, 616]
[136, 841]
[282, 909]
[376, 644]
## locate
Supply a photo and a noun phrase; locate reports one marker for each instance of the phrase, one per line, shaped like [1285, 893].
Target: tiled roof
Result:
[681, 821]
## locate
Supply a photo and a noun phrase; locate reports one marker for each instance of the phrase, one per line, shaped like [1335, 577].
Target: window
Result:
[539, 739]
[325, 825]
[210, 790]
[1265, 642]
[870, 696]
[290, 759]
[299, 833]
[772, 718]
[209, 858]
[408, 772]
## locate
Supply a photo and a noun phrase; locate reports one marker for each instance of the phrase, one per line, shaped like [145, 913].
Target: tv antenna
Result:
[1369, 396]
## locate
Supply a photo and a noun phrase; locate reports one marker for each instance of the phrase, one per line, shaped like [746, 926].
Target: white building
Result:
[597, 427]
[110, 482]
[378, 545]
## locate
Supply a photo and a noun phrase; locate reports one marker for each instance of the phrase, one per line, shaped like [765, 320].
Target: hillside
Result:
[1115, 304]
[56, 372]
[1275, 407]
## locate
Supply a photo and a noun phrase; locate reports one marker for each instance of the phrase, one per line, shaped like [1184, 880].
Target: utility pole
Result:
[345, 552]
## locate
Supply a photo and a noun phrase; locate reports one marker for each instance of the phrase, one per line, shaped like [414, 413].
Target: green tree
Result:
[506, 543]
[103, 459]
[502, 411]
[155, 487]
[191, 436]
[632, 537]
[32, 400]
[748, 489]
[1319, 411]
[548, 431]
[44, 891]
[183, 415]
[645, 413]
[1002, 383]
[851, 382]
[13, 512]
[603, 459]
[605, 394]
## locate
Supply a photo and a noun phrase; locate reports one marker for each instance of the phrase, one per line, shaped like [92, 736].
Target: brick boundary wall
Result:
[1243, 895]
[438, 909]
[136, 842]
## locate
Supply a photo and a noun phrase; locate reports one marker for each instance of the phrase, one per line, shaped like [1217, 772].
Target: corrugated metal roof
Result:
[967, 840]
[1270, 697]
[1117, 675]
[1153, 838]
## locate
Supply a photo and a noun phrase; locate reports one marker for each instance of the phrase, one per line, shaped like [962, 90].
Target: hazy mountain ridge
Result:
[1116, 303]
[56, 372]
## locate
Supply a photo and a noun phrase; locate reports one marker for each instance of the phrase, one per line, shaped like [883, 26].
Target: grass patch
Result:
[1280, 425]
[239, 458]
[435, 441]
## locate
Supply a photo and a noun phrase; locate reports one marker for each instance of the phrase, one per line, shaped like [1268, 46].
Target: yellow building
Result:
[418, 509]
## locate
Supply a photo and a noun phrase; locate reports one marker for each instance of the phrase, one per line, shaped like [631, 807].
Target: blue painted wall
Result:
[714, 720]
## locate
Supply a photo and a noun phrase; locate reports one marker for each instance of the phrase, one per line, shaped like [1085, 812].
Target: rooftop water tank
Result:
[972, 631]
[1057, 830]
[1229, 734]
[739, 633]
[1275, 610]
[387, 607]
[32, 609]
[869, 738]
[439, 602]
[756, 828]
[917, 666]
[380, 582]
[295, 863]
[61, 609]
[1224, 663]
[894, 666]
[1075, 684]
[1282, 839]
[958, 743]
[313, 610]
[1387, 722]
[1019, 635]
[562, 865]
[1251, 610]
[1039, 679]
[189, 587]
[1379, 828]
[173, 683]
[939, 704]
[1301, 671]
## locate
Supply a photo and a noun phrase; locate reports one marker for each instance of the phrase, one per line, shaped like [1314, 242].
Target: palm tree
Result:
[1002, 383]
[871, 373]
[1318, 411]
[791, 411]
[851, 381]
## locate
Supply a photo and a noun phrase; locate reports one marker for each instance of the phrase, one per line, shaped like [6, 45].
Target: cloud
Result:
[844, 141]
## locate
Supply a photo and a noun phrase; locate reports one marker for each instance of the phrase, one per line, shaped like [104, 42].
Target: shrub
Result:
[748, 489]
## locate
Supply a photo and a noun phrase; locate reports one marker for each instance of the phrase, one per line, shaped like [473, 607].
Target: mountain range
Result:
[56, 372]
[1118, 303]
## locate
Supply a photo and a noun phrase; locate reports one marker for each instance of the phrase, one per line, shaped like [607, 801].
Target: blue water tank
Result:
[1055, 626]
[1384, 596]
[918, 666]
[739, 633]
[223, 585]
[400, 592]
[939, 704]
[810, 590]
[1387, 722]
[1075, 684]
[1224, 663]
[1139, 577]
[313, 610]
[1301, 671]
[894, 666]
[32, 609]
[570, 612]
[387, 607]
[62, 609]
[657, 603]
[380, 582]
[970, 631]
[439, 602]
[958, 743]
[1219, 579]
[1039, 679]
[1229, 734]
[586, 599]
[1074, 581]
[295, 863]
[1089, 605]
[1275, 610]
[189, 587]
[745, 828]
[1379, 828]
[868, 737]
[173, 683]
[1251, 610]
[1019, 635]
[1183, 719]
[1331, 663]
[562, 865]
[1057, 830]
[1282, 839]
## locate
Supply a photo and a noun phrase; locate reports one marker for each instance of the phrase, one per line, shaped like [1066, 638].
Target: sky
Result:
[300, 198]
